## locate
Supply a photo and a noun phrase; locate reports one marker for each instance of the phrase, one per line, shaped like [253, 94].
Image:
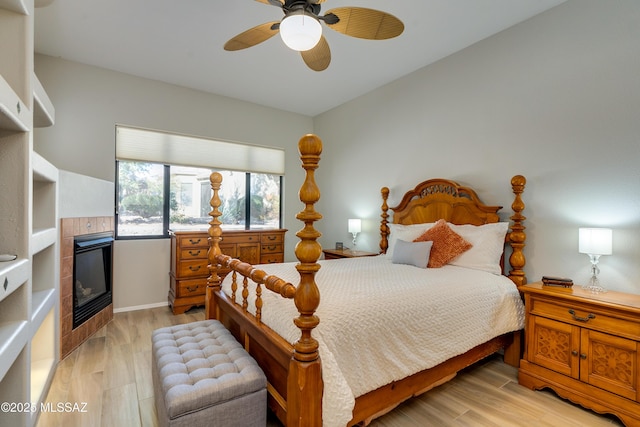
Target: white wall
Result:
[556, 98]
[90, 101]
[82, 195]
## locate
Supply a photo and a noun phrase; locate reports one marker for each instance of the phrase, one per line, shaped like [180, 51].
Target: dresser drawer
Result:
[587, 316]
[187, 288]
[187, 242]
[271, 258]
[240, 238]
[192, 268]
[270, 248]
[193, 253]
[271, 238]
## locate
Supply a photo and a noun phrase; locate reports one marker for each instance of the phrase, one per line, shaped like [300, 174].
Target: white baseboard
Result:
[140, 307]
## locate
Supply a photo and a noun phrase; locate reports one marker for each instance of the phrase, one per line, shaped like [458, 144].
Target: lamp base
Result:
[594, 286]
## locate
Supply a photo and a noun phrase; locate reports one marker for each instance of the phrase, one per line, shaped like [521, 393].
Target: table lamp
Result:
[355, 227]
[595, 242]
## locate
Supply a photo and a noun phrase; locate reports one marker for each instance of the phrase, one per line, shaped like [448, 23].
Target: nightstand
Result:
[345, 253]
[584, 346]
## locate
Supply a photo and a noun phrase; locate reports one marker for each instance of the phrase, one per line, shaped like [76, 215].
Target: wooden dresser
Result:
[189, 272]
[584, 346]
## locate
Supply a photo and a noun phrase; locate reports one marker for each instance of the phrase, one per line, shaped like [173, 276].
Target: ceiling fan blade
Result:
[364, 23]
[315, 1]
[253, 36]
[318, 58]
[278, 3]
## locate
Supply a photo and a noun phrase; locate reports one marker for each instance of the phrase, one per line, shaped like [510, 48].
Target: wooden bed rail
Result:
[304, 387]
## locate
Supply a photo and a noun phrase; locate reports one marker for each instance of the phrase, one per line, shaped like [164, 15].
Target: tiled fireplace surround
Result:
[71, 338]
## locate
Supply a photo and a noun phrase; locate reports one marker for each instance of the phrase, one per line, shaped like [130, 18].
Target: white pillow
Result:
[405, 232]
[488, 245]
[412, 253]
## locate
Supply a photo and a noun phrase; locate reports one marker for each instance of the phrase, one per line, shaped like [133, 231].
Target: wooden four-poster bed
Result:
[293, 363]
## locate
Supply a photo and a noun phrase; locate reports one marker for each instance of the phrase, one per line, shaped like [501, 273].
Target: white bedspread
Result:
[381, 322]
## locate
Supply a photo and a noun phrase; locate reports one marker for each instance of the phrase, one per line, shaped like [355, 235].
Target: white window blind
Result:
[171, 148]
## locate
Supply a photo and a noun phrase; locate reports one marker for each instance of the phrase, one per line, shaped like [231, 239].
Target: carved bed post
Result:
[517, 236]
[384, 228]
[304, 384]
[215, 235]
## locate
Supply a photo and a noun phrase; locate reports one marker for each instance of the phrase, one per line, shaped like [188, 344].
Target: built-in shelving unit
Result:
[29, 284]
[45, 273]
[43, 111]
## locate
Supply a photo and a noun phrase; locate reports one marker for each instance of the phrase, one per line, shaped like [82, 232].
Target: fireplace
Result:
[83, 230]
[91, 275]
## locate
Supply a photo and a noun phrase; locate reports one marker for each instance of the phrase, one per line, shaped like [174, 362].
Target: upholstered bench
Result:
[203, 376]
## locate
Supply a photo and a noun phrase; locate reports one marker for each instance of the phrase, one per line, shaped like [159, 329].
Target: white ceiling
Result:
[180, 42]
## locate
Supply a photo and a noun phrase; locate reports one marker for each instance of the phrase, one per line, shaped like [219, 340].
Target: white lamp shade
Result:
[595, 241]
[355, 226]
[300, 32]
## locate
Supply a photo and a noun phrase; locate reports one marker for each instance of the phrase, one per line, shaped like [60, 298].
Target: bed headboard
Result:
[436, 199]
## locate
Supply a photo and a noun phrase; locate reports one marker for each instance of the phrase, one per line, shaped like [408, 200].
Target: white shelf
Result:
[14, 115]
[41, 373]
[42, 302]
[43, 171]
[42, 239]
[13, 274]
[43, 355]
[44, 203]
[14, 388]
[13, 338]
[43, 110]
[18, 6]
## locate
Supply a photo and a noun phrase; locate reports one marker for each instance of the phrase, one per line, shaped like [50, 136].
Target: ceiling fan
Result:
[300, 28]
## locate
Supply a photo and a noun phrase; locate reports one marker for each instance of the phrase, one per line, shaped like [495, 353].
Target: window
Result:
[142, 204]
[153, 197]
[140, 199]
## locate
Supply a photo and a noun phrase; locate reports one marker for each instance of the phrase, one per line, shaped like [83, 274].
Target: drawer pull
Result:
[194, 268]
[194, 253]
[192, 289]
[272, 237]
[271, 248]
[581, 319]
[583, 356]
[194, 242]
[574, 353]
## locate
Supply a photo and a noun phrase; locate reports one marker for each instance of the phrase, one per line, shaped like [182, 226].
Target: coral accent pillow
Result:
[447, 244]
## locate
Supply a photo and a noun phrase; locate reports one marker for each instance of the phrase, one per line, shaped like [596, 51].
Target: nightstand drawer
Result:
[586, 316]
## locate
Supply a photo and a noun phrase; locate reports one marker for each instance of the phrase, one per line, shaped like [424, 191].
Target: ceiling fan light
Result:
[300, 32]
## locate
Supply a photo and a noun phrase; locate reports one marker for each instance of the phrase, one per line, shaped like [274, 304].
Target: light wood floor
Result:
[111, 372]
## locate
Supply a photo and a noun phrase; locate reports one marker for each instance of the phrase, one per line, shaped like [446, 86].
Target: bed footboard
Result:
[293, 371]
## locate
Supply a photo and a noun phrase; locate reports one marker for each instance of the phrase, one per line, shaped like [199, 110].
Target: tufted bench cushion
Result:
[203, 376]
